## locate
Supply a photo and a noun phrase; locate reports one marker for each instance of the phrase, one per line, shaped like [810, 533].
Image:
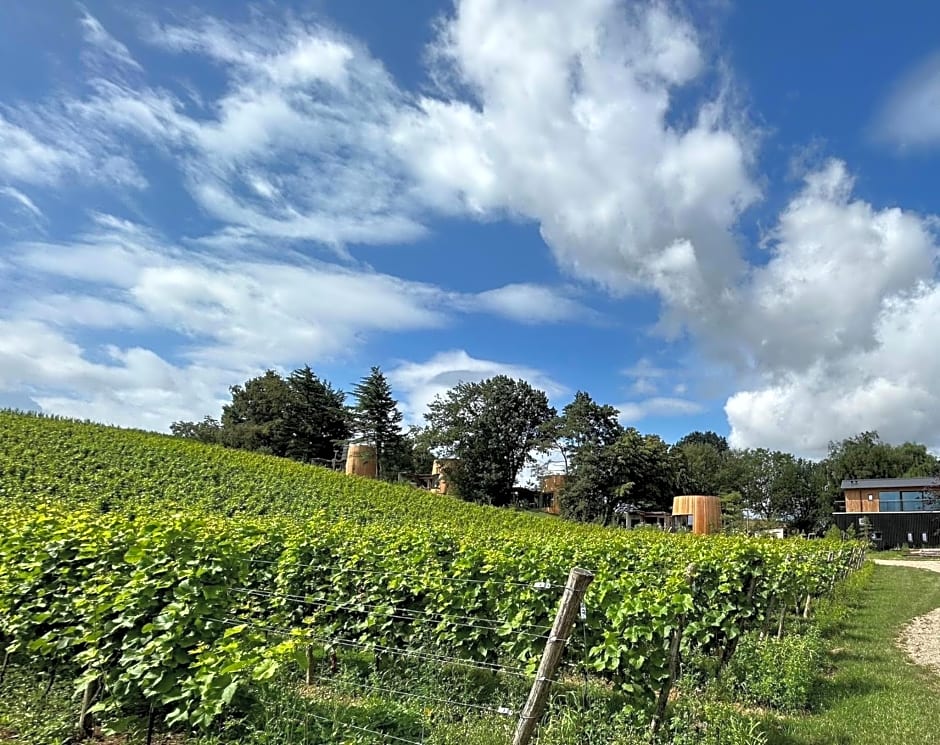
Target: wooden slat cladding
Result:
[856, 500]
[704, 509]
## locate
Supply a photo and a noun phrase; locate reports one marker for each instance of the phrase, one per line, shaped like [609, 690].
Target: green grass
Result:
[874, 696]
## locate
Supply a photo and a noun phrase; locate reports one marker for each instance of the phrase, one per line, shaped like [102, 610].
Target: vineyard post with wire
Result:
[568, 607]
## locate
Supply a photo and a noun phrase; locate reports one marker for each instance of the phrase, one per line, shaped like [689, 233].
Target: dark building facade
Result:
[893, 512]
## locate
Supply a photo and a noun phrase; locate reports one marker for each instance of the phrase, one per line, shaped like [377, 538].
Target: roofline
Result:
[915, 481]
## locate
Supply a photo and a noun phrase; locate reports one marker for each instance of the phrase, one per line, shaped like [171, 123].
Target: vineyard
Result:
[189, 585]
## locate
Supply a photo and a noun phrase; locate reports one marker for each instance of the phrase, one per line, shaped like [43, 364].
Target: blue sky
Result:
[715, 216]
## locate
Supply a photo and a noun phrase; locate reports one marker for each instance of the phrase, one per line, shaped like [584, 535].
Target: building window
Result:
[912, 501]
[890, 501]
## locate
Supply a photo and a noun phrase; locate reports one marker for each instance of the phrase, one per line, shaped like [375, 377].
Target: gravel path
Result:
[932, 566]
[921, 637]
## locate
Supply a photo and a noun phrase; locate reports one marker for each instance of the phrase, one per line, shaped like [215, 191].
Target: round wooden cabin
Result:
[553, 484]
[439, 469]
[699, 512]
[361, 461]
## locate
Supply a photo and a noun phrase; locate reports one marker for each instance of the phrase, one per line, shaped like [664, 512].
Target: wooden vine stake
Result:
[85, 723]
[578, 580]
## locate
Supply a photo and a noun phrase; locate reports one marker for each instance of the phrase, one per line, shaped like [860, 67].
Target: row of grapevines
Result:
[124, 553]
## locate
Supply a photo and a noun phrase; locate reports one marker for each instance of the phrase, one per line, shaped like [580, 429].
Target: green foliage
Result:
[635, 470]
[703, 467]
[119, 549]
[316, 421]
[35, 710]
[584, 424]
[377, 421]
[256, 417]
[703, 720]
[300, 417]
[490, 427]
[710, 439]
[779, 673]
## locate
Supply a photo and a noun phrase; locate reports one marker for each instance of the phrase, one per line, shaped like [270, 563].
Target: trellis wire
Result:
[539, 585]
[416, 614]
[371, 646]
[504, 710]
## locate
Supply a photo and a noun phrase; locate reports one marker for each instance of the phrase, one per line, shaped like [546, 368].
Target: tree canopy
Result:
[300, 417]
[377, 420]
[491, 428]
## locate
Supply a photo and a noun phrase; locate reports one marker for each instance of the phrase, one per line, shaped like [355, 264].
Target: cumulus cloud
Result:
[910, 118]
[419, 382]
[841, 324]
[567, 121]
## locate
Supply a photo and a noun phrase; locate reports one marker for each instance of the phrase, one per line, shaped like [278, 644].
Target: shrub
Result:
[779, 673]
[698, 720]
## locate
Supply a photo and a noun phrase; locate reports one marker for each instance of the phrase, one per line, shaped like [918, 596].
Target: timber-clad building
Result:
[893, 512]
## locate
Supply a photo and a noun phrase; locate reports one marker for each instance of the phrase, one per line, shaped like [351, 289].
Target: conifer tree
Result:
[377, 420]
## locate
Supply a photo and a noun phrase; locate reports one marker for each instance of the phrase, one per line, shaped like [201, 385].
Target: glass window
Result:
[912, 501]
[890, 501]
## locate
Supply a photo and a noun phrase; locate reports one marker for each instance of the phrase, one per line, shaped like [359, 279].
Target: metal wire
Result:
[538, 585]
[501, 710]
[416, 614]
[371, 646]
[356, 727]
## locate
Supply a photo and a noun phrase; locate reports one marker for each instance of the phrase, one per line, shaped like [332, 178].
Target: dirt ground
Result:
[921, 637]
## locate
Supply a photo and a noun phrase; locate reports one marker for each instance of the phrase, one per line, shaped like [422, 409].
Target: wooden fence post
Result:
[578, 580]
[85, 723]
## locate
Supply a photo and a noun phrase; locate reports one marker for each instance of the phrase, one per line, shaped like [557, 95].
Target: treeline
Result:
[490, 430]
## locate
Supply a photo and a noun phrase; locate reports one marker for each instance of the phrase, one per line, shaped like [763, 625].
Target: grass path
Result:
[875, 696]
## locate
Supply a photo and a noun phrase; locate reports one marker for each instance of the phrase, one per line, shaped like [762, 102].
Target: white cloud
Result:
[634, 411]
[97, 36]
[25, 158]
[568, 123]
[229, 320]
[840, 324]
[531, 303]
[132, 387]
[22, 200]
[247, 314]
[419, 382]
[297, 147]
[910, 118]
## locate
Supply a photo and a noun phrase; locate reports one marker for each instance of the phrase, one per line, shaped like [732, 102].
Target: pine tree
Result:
[316, 420]
[377, 420]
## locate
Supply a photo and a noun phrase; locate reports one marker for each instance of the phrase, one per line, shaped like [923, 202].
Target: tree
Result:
[635, 471]
[411, 455]
[795, 493]
[491, 427]
[316, 420]
[209, 430]
[255, 419]
[582, 423]
[703, 468]
[300, 417]
[377, 420]
[710, 438]
[867, 456]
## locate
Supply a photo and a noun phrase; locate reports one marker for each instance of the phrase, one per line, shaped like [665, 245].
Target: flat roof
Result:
[918, 481]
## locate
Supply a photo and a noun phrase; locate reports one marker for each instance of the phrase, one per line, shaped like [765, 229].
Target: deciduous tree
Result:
[491, 428]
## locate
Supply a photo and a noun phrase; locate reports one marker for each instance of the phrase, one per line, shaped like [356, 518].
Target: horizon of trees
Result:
[490, 430]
